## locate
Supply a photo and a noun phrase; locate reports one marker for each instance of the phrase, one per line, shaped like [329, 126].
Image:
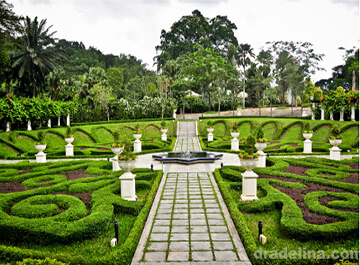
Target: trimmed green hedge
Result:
[42, 216]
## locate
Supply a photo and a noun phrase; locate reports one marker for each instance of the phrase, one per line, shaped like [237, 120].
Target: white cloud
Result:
[134, 26]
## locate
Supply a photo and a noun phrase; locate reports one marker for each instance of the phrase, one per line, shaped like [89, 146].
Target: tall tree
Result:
[9, 26]
[34, 61]
[217, 33]
[206, 69]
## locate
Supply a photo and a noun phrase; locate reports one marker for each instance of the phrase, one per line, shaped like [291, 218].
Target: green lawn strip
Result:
[90, 246]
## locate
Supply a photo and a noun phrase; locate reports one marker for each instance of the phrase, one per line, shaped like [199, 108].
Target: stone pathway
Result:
[189, 222]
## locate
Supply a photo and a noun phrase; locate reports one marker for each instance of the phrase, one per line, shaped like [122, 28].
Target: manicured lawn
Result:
[90, 140]
[284, 135]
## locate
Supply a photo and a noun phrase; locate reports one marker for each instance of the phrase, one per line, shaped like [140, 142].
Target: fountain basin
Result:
[188, 157]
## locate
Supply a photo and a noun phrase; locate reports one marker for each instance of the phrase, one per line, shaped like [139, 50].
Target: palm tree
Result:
[245, 54]
[33, 61]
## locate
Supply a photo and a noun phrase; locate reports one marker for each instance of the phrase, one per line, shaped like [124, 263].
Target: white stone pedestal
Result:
[69, 150]
[40, 157]
[174, 114]
[163, 135]
[115, 163]
[29, 125]
[342, 114]
[7, 126]
[234, 144]
[352, 113]
[307, 147]
[127, 182]
[137, 146]
[239, 112]
[335, 153]
[210, 137]
[249, 186]
[262, 159]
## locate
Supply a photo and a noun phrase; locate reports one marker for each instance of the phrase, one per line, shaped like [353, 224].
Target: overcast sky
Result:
[134, 26]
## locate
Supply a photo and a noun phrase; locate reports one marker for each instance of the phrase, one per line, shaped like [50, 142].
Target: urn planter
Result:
[235, 134]
[260, 146]
[69, 140]
[307, 136]
[335, 150]
[335, 142]
[163, 135]
[115, 163]
[40, 156]
[137, 142]
[210, 134]
[69, 148]
[210, 130]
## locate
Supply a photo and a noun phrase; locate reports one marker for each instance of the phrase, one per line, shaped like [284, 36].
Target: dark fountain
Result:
[187, 157]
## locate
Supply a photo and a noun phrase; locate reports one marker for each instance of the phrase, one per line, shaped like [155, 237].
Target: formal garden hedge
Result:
[284, 135]
[90, 140]
[66, 211]
[307, 203]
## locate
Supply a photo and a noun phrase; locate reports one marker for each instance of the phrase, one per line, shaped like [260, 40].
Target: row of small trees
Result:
[334, 101]
[23, 109]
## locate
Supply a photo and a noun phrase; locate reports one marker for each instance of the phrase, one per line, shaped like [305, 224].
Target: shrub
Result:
[335, 132]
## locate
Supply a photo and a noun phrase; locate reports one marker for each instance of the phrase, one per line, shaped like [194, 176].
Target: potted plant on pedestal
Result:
[307, 133]
[234, 130]
[127, 158]
[40, 145]
[249, 160]
[69, 137]
[127, 161]
[163, 127]
[210, 127]
[261, 142]
[116, 147]
[335, 139]
[137, 132]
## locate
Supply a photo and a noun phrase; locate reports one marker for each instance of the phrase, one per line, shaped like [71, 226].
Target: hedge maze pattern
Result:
[320, 196]
[89, 140]
[67, 202]
[284, 136]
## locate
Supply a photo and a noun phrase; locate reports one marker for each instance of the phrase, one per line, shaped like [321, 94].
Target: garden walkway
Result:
[189, 222]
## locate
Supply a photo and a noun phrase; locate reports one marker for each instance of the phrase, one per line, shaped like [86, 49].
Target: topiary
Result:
[307, 128]
[249, 149]
[41, 137]
[163, 124]
[68, 133]
[210, 124]
[116, 139]
[127, 154]
[260, 135]
[335, 132]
